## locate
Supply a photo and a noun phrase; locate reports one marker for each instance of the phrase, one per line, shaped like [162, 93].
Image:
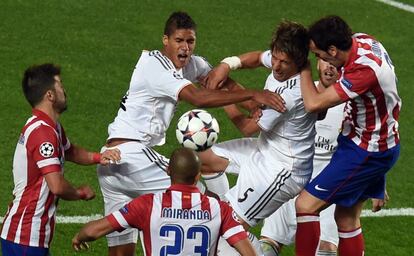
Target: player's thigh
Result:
[260, 189]
[281, 225]
[236, 152]
[140, 171]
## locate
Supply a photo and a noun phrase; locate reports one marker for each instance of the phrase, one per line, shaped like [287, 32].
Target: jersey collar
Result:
[42, 115]
[184, 188]
[353, 53]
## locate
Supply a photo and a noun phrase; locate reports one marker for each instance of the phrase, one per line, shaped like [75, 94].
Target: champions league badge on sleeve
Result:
[46, 149]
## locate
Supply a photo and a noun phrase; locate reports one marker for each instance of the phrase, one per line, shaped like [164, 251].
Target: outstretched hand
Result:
[270, 99]
[110, 156]
[216, 77]
[79, 245]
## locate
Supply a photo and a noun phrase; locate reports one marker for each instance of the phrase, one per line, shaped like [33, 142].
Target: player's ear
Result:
[332, 50]
[165, 40]
[50, 95]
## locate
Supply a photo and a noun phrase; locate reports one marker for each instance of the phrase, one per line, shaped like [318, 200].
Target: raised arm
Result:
[247, 125]
[314, 100]
[217, 77]
[82, 156]
[201, 97]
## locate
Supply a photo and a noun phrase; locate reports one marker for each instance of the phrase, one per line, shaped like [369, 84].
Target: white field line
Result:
[402, 6]
[365, 213]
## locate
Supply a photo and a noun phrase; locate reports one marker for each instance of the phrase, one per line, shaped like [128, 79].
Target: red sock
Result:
[307, 234]
[351, 243]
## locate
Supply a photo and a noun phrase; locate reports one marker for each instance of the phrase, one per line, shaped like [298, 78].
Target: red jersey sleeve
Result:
[43, 146]
[135, 214]
[355, 81]
[230, 229]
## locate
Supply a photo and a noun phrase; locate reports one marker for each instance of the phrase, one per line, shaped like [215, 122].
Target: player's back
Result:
[370, 82]
[185, 223]
[180, 221]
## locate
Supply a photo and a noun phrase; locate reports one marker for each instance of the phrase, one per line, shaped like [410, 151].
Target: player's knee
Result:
[347, 218]
[327, 246]
[211, 163]
[307, 203]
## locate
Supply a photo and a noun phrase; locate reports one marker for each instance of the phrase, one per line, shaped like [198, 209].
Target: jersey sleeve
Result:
[266, 59]
[135, 214]
[202, 67]
[271, 117]
[230, 229]
[163, 80]
[355, 82]
[43, 145]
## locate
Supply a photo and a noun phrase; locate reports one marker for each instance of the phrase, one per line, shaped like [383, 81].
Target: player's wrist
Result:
[96, 157]
[81, 194]
[233, 62]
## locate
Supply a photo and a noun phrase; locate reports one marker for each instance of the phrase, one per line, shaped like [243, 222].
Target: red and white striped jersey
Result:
[369, 81]
[180, 221]
[30, 218]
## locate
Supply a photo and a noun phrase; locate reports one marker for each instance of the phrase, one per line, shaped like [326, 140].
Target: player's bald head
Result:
[184, 166]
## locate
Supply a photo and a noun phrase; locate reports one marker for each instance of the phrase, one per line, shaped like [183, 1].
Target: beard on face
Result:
[60, 105]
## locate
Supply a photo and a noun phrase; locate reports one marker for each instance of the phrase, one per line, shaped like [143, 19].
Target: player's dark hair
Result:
[179, 20]
[37, 80]
[292, 38]
[331, 30]
[184, 166]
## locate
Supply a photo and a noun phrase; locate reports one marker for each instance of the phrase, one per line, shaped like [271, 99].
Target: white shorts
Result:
[140, 171]
[281, 225]
[263, 185]
[236, 151]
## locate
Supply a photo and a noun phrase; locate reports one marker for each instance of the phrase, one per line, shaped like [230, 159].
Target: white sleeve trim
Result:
[47, 162]
[232, 231]
[121, 220]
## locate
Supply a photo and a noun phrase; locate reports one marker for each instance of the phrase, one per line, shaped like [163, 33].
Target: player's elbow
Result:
[312, 107]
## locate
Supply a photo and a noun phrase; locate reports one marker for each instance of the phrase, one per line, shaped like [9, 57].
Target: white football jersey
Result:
[289, 135]
[148, 106]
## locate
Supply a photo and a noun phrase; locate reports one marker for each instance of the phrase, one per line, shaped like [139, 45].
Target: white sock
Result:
[256, 244]
[268, 248]
[325, 253]
[217, 183]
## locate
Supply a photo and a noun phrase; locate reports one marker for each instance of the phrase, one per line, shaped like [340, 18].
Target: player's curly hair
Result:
[292, 38]
[179, 20]
[37, 80]
[331, 30]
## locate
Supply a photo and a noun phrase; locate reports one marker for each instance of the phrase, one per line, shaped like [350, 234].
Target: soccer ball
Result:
[197, 129]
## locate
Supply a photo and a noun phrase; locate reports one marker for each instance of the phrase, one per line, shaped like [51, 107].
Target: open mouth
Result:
[182, 57]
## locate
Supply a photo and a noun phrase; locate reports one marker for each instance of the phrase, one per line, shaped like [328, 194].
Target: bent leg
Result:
[308, 226]
[351, 240]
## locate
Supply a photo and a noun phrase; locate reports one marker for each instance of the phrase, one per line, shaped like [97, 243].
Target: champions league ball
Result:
[197, 129]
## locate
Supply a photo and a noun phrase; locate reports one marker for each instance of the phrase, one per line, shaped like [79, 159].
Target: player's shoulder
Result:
[198, 60]
[155, 58]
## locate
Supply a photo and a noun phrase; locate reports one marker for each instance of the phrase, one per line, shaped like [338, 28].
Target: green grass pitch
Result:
[98, 42]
